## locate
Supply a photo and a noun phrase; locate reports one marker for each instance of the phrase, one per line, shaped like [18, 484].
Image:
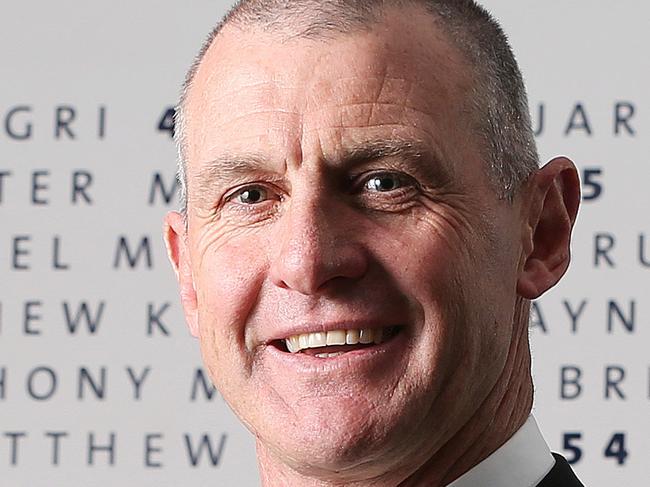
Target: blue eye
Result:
[384, 182]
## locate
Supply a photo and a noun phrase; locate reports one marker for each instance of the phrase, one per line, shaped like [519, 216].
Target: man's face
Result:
[337, 186]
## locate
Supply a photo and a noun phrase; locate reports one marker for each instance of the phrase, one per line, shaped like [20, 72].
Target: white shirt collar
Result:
[522, 461]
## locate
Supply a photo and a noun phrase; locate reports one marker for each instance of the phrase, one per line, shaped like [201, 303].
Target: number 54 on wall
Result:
[615, 448]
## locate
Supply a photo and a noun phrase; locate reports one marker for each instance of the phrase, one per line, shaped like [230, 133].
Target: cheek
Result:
[228, 281]
[228, 268]
[426, 256]
[453, 290]
[427, 262]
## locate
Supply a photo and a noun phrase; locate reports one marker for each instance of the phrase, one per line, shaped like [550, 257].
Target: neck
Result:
[501, 414]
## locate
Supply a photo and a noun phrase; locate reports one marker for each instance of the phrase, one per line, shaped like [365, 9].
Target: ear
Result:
[175, 234]
[554, 197]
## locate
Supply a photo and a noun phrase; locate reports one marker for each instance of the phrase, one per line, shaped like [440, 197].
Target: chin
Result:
[341, 439]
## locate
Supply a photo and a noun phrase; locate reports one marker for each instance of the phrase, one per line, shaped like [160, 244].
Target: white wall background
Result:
[130, 58]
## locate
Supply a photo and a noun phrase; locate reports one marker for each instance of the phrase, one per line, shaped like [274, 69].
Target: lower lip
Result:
[364, 357]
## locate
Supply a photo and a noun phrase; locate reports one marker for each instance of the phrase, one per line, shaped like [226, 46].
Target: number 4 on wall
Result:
[166, 122]
[614, 449]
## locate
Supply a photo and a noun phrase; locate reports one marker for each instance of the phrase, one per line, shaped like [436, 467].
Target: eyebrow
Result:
[226, 167]
[378, 149]
[420, 157]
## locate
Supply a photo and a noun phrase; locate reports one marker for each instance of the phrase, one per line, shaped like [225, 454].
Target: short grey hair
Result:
[498, 102]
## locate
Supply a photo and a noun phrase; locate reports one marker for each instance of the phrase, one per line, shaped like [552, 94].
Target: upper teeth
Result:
[317, 339]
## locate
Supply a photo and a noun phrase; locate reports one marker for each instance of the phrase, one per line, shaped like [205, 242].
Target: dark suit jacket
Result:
[560, 475]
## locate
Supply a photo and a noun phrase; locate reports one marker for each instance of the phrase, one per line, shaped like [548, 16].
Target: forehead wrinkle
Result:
[278, 112]
[264, 87]
[373, 104]
[397, 140]
[269, 92]
[216, 94]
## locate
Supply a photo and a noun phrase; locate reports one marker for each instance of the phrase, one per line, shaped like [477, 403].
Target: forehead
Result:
[255, 89]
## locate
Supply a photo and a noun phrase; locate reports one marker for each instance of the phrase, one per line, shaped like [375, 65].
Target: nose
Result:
[317, 248]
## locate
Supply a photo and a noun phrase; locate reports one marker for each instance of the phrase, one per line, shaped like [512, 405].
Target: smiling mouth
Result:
[336, 342]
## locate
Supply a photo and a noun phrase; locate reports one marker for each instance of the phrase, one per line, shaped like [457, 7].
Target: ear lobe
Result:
[175, 236]
[554, 201]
